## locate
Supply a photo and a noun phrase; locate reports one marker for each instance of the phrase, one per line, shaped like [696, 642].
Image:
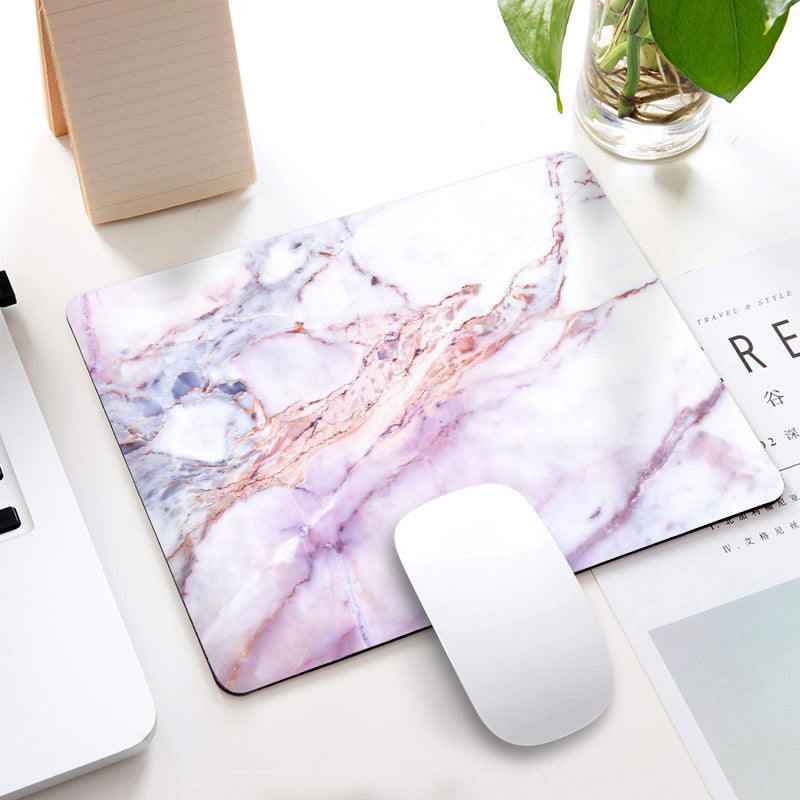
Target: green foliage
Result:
[537, 28]
[720, 45]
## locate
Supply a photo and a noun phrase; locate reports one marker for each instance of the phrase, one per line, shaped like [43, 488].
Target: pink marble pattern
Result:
[282, 406]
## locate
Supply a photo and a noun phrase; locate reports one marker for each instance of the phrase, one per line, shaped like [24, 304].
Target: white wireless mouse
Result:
[508, 611]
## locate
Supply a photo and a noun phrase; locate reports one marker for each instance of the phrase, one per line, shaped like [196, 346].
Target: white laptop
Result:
[72, 693]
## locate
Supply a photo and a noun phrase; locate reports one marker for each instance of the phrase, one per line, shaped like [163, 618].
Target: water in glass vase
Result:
[630, 99]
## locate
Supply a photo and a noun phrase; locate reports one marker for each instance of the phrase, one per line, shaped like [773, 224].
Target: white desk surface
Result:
[351, 104]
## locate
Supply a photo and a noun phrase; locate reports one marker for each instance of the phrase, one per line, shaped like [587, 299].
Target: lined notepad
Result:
[149, 91]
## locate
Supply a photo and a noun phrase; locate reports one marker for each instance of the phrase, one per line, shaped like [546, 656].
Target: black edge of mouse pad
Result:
[281, 406]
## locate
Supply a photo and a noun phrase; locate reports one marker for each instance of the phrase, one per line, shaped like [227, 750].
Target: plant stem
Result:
[634, 23]
[611, 59]
[619, 26]
[627, 100]
[636, 16]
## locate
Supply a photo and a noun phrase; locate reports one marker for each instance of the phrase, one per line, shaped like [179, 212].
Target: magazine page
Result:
[713, 615]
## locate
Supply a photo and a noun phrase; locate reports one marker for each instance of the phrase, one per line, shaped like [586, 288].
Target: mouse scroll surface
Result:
[508, 611]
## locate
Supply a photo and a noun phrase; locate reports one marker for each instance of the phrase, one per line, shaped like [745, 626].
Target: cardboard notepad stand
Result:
[151, 98]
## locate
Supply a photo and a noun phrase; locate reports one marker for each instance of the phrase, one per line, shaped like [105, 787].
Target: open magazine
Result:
[713, 616]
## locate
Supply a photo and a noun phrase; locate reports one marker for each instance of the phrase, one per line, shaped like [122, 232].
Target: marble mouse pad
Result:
[283, 405]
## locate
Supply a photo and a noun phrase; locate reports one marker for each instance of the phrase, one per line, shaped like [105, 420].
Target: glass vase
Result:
[630, 99]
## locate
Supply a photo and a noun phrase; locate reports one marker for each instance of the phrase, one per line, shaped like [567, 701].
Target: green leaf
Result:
[720, 45]
[537, 28]
[774, 9]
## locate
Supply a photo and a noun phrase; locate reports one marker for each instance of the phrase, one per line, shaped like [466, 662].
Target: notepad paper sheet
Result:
[153, 101]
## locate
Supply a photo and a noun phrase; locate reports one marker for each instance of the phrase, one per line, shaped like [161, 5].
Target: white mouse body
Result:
[508, 611]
